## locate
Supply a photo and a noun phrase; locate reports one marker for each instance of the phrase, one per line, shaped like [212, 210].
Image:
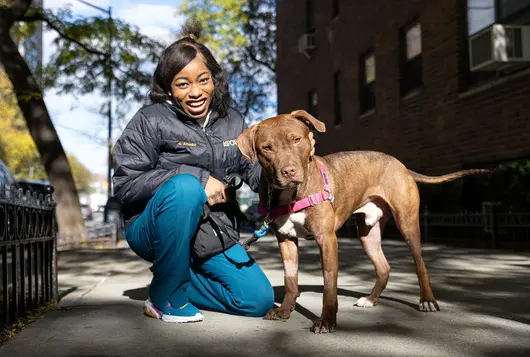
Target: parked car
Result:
[6, 178]
[38, 186]
[87, 212]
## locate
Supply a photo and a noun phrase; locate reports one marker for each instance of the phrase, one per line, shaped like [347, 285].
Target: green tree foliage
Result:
[82, 175]
[242, 35]
[80, 65]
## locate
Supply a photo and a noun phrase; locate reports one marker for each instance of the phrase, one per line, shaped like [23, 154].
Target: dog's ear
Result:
[245, 143]
[309, 119]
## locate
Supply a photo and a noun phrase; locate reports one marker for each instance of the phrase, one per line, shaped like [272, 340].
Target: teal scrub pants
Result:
[162, 235]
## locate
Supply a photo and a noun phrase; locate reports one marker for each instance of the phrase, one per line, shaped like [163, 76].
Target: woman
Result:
[169, 162]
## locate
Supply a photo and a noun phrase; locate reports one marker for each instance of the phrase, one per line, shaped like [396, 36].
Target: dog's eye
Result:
[267, 148]
[297, 139]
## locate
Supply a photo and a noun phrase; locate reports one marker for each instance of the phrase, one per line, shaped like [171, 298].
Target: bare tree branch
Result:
[267, 65]
[39, 16]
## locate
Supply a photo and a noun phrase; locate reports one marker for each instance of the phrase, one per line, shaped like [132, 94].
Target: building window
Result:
[480, 15]
[483, 13]
[509, 8]
[312, 102]
[337, 105]
[310, 16]
[411, 59]
[367, 82]
[335, 8]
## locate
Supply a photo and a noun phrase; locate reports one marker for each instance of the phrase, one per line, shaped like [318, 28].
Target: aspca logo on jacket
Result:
[229, 143]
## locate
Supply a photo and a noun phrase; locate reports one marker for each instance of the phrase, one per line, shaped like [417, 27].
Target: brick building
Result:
[394, 76]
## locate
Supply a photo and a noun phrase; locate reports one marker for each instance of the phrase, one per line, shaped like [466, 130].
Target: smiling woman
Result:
[169, 162]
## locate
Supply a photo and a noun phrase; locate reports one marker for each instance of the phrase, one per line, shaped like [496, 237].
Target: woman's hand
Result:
[215, 191]
[312, 143]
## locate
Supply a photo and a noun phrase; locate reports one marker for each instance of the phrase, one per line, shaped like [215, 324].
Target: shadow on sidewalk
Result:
[493, 282]
[140, 294]
[486, 281]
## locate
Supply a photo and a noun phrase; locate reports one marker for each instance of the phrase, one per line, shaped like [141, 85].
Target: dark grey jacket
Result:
[160, 142]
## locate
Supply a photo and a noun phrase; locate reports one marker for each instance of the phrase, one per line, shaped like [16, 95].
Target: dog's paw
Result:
[429, 306]
[323, 326]
[278, 313]
[366, 302]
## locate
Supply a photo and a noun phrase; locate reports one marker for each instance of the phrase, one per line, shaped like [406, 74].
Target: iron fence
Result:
[101, 231]
[488, 228]
[28, 260]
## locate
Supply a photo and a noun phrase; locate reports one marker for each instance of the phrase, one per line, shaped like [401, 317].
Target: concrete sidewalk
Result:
[483, 296]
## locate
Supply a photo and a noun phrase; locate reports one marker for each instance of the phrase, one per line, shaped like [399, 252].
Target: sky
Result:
[82, 130]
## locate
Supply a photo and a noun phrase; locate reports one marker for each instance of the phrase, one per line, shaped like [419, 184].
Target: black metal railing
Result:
[488, 228]
[28, 261]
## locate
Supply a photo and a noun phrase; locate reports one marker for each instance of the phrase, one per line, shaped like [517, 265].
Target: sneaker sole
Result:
[150, 310]
[182, 319]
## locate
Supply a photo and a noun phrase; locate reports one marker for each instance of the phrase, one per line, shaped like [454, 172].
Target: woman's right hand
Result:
[215, 191]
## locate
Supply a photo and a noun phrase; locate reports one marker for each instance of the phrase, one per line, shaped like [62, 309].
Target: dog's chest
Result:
[291, 225]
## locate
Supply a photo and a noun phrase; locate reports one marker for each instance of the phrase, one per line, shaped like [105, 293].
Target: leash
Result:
[310, 201]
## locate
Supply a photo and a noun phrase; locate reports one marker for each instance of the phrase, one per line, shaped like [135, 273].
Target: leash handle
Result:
[233, 181]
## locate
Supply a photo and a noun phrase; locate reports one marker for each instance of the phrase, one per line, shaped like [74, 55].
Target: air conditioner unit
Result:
[306, 43]
[498, 47]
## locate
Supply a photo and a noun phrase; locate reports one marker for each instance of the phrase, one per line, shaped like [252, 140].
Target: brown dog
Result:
[371, 183]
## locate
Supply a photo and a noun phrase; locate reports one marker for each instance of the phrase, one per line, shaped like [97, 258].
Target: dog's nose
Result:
[289, 171]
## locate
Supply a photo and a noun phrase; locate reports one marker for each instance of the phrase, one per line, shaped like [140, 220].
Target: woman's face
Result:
[192, 88]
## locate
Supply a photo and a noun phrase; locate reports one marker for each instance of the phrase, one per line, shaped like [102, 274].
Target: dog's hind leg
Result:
[371, 241]
[408, 223]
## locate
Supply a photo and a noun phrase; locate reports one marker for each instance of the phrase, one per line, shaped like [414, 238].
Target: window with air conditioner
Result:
[499, 47]
[498, 39]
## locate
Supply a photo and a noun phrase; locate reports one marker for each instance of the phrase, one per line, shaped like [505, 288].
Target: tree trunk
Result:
[30, 100]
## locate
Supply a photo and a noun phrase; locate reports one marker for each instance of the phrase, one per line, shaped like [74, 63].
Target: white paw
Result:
[364, 302]
[429, 306]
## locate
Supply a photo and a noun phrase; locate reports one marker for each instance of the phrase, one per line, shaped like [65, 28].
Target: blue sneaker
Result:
[183, 314]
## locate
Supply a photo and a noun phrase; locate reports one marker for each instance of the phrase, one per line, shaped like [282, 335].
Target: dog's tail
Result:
[446, 178]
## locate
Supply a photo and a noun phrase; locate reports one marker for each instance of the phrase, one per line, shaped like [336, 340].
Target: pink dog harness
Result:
[299, 205]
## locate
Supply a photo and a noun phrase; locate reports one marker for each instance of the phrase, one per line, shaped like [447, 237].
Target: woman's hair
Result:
[177, 56]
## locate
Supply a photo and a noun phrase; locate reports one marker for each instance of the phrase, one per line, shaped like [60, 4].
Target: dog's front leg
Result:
[289, 251]
[329, 258]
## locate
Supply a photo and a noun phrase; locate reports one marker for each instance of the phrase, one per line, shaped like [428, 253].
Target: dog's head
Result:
[282, 145]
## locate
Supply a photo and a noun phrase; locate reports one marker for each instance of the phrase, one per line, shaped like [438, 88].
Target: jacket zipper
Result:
[212, 167]
[205, 131]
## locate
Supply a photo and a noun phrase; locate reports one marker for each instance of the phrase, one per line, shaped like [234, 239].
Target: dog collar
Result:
[302, 204]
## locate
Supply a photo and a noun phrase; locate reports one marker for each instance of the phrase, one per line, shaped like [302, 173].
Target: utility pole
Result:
[109, 79]
[109, 74]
